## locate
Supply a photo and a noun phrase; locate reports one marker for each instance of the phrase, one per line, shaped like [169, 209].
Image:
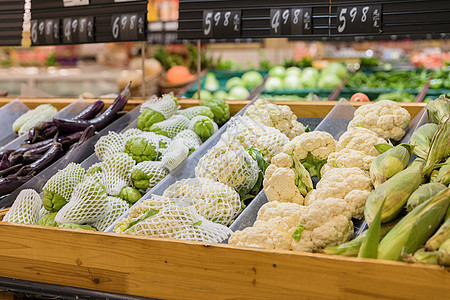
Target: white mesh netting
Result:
[132, 132]
[192, 140]
[213, 200]
[183, 223]
[63, 182]
[147, 174]
[175, 154]
[227, 162]
[25, 208]
[117, 208]
[156, 140]
[278, 116]
[268, 140]
[192, 112]
[165, 105]
[115, 172]
[174, 125]
[88, 203]
[109, 144]
[95, 168]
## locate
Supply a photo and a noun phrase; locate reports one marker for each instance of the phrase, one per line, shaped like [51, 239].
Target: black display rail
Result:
[162, 33]
[314, 20]
[11, 22]
[59, 22]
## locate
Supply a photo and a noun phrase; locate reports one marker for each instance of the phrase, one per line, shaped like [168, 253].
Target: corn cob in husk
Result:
[396, 191]
[423, 193]
[390, 163]
[439, 237]
[439, 149]
[415, 228]
[421, 257]
[443, 255]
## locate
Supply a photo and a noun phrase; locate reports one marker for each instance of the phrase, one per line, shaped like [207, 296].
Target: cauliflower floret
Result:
[348, 158]
[311, 149]
[386, 118]
[325, 223]
[360, 139]
[350, 184]
[264, 236]
[273, 229]
[278, 116]
[285, 181]
[289, 213]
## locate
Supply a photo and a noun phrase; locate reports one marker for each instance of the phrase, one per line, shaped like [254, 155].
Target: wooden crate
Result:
[172, 269]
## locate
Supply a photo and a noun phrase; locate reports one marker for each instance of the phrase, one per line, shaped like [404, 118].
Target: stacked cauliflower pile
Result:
[300, 218]
[131, 163]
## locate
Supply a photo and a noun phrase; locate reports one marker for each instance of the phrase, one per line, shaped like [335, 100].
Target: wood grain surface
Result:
[172, 269]
[307, 109]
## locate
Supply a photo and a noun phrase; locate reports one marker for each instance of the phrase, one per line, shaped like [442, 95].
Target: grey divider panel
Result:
[334, 123]
[419, 120]
[8, 114]
[78, 155]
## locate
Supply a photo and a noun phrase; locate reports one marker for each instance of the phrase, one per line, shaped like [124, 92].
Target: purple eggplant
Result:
[70, 139]
[25, 148]
[49, 132]
[91, 111]
[54, 153]
[99, 122]
[39, 150]
[6, 151]
[10, 170]
[30, 158]
[5, 164]
[9, 184]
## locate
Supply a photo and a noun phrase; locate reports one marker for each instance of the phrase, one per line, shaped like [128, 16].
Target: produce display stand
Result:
[95, 264]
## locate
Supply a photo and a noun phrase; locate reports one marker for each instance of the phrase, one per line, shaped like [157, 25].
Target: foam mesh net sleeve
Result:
[25, 209]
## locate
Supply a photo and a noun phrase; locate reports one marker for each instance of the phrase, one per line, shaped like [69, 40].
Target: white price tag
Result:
[68, 3]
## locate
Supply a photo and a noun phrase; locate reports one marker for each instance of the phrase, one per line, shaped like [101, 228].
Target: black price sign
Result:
[45, 32]
[359, 19]
[78, 30]
[86, 29]
[290, 21]
[128, 27]
[222, 23]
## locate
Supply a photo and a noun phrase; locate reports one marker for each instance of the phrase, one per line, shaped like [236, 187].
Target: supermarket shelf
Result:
[165, 268]
[308, 109]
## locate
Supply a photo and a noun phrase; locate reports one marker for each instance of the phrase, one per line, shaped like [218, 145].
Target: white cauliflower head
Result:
[273, 228]
[325, 223]
[348, 158]
[386, 118]
[360, 139]
[350, 184]
[311, 149]
[278, 116]
[285, 181]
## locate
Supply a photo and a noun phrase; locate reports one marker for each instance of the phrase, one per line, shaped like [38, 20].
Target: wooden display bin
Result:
[164, 268]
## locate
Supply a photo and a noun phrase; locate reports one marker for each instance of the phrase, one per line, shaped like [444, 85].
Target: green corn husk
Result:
[422, 138]
[421, 257]
[438, 108]
[439, 237]
[439, 149]
[423, 193]
[434, 175]
[443, 175]
[443, 255]
[396, 191]
[415, 228]
[390, 163]
[351, 248]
